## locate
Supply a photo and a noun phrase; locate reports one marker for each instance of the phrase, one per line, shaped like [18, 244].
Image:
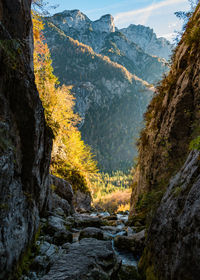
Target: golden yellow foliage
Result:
[70, 156]
[116, 201]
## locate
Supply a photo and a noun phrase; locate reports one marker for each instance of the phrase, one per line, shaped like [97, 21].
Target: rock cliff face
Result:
[107, 72]
[104, 24]
[133, 47]
[25, 141]
[147, 40]
[166, 166]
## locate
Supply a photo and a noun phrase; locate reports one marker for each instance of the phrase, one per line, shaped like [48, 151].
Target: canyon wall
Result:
[166, 194]
[25, 141]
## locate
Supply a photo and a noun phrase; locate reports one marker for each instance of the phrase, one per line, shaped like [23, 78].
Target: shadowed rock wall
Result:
[25, 141]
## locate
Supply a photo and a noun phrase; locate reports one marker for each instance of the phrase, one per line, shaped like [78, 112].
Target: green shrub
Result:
[193, 36]
[195, 144]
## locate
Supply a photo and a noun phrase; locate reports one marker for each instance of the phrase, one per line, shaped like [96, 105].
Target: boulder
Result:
[128, 272]
[91, 232]
[62, 237]
[47, 255]
[83, 221]
[134, 243]
[53, 225]
[110, 218]
[58, 202]
[90, 259]
[130, 231]
[112, 223]
[82, 201]
[62, 188]
[111, 229]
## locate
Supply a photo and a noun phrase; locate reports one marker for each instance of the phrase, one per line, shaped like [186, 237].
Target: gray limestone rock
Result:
[25, 141]
[84, 221]
[90, 259]
[62, 188]
[91, 232]
[174, 239]
[147, 40]
[82, 201]
[134, 243]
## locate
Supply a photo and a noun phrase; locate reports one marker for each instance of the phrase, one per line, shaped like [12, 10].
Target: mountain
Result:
[106, 39]
[166, 195]
[111, 78]
[147, 40]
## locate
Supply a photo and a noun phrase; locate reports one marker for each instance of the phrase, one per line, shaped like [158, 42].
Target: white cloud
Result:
[144, 13]
[170, 36]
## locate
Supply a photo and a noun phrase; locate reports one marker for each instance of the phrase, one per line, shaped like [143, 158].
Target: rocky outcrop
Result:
[168, 166]
[174, 240]
[62, 188]
[62, 195]
[95, 259]
[91, 232]
[82, 201]
[104, 24]
[134, 243]
[72, 20]
[25, 141]
[147, 40]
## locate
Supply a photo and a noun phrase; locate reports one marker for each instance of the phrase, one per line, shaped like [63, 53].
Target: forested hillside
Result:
[110, 97]
[71, 159]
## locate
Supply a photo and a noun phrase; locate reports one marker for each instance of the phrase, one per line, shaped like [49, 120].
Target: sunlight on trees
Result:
[71, 158]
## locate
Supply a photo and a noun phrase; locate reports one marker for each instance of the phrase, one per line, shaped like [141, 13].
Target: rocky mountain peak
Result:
[71, 19]
[146, 38]
[104, 24]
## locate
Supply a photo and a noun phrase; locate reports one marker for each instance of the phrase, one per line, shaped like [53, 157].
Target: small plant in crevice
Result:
[195, 144]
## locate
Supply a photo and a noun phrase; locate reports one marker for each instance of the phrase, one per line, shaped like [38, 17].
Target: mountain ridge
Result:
[100, 57]
[76, 14]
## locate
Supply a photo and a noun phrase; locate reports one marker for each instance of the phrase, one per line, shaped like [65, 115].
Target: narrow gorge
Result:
[73, 93]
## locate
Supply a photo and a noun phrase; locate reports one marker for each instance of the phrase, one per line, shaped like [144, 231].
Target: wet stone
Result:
[133, 243]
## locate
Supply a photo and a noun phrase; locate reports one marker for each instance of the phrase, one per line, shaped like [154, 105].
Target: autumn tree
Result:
[71, 158]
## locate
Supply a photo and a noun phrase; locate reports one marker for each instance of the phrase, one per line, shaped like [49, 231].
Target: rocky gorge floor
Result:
[85, 246]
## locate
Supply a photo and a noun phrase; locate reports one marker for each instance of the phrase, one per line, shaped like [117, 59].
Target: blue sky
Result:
[157, 14]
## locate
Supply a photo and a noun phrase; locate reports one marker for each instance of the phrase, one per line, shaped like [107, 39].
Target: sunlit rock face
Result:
[147, 40]
[137, 48]
[108, 73]
[72, 19]
[25, 141]
[104, 24]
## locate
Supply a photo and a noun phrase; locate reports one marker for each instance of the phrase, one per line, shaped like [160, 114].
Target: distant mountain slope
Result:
[107, 72]
[147, 40]
[105, 38]
[110, 99]
[127, 53]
